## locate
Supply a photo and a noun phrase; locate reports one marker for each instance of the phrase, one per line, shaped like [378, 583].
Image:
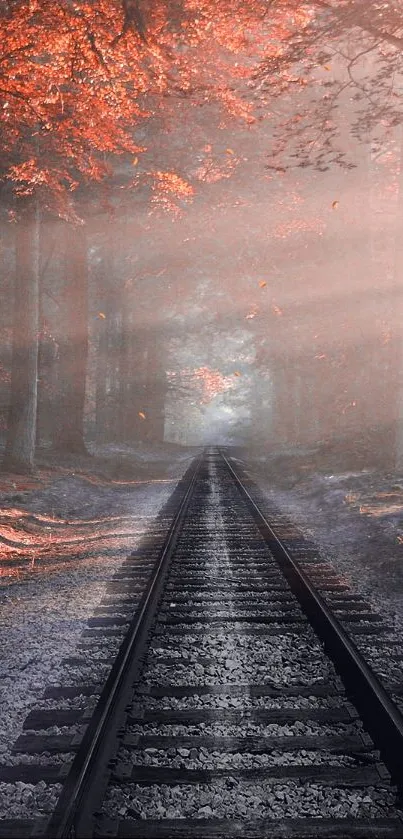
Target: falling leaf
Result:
[252, 313]
[327, 67]
[135, 161]
[142, 415]
[101, 315]
[229, 151]
[277, 310]
[237, 373]
[262, 283]
[335, 204]
[322, 355]
[399, 539]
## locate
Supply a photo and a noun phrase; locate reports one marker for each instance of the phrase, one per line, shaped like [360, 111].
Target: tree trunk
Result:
[125, 373]
[156, 388]
[108, 341]
[136, 384]
[21, 437]
[51, 256]
[69, 434]
[398, 277]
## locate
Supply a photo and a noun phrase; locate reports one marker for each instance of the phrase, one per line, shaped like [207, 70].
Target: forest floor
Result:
[355, 518]
[75, 507]
[65, 532]
[79, 507]
[63, 535]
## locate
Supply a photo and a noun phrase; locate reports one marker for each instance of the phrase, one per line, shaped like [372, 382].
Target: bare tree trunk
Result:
[100, 385]
[136, 382]
[69, 434]
[51, 255]
[125, 372]
[398, 272]
[21, 438]
[108, 338]
[156, 388]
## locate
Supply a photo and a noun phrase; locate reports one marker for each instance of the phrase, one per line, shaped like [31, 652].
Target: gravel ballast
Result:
[232, 799]
[43, 615]
[226, 653]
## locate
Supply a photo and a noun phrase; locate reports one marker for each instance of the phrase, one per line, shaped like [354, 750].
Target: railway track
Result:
[239, 703]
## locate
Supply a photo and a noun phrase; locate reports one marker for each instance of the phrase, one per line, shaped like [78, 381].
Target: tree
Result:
[65, 107]
[68, 431]
[348, 52]
[76, 78]
[19, 454]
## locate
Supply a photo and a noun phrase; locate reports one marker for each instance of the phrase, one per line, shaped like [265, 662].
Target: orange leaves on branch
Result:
[209, 383]
[213, 169]
[73, 75]
[69, 96]
[172, 183]
[168, 186]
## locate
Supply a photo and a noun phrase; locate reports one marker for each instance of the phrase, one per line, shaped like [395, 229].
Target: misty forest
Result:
[200, 227]
[201, 244]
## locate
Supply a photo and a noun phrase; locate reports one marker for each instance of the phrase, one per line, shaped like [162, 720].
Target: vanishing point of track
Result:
[232, 640]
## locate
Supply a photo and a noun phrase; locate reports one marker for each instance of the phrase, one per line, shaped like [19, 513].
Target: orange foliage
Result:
[215, 168]
[202, 382]
[35, 542]
[166, 187]
[72, 75]
[212, 381]
[66, 94]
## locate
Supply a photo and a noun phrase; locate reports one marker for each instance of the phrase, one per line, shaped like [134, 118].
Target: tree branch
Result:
[363, 24]
[133, 18]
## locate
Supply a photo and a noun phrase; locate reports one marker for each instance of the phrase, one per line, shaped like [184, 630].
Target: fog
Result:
[236, 278]
[274, 300]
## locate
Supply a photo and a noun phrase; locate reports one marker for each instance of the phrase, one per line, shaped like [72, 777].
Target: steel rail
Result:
[381, 716]
[72, 816]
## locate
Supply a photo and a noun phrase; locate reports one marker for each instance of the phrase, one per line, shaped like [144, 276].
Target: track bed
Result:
[225, 716]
